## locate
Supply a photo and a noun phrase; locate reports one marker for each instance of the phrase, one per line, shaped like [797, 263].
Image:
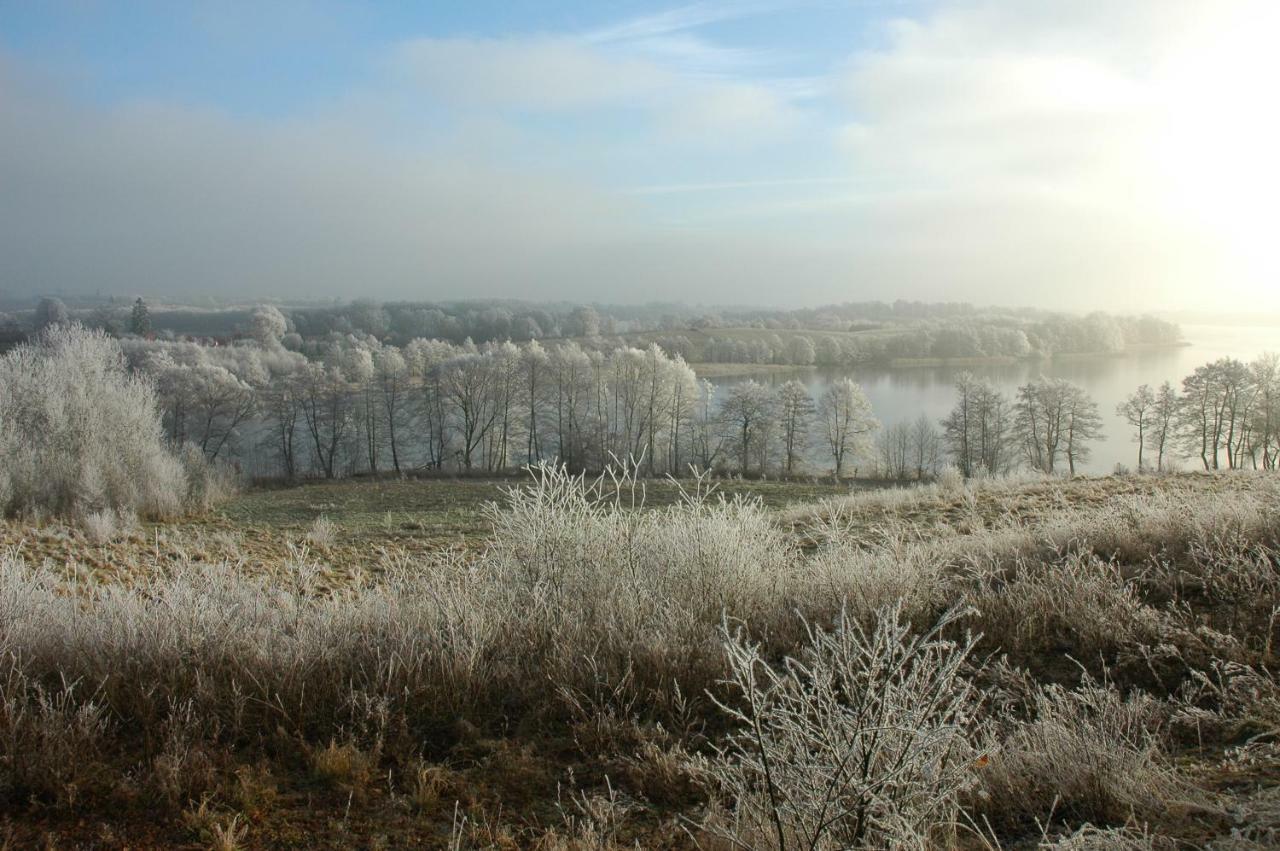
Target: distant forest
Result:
[871, 332]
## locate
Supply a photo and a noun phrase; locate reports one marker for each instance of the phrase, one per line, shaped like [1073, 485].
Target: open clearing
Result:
[372, 520]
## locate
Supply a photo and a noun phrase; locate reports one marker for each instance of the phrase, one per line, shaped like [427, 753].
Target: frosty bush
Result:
[863, 741]
[79, 433]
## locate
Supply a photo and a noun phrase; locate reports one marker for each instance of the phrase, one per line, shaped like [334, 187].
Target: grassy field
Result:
[377, 665]
[351, 526]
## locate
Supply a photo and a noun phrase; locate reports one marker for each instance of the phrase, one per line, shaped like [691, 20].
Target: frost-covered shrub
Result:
[861, 741]
[645, 589]
[208, 482]
[80, 433]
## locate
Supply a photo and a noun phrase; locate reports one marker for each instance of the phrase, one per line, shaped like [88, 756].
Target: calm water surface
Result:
[901, 394]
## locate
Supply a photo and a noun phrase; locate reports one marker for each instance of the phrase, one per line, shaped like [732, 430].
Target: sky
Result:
[1114, 154]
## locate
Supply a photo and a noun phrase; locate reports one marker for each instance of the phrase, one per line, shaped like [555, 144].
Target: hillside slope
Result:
[1086, 663]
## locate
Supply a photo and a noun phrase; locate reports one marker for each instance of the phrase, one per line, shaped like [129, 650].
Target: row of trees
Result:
[1226, 415]
[973, 337]
[1048, 425]
[352, 404]
[776, 337]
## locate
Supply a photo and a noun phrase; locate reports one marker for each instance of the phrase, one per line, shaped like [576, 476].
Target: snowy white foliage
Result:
[862, 741]
[79, 433]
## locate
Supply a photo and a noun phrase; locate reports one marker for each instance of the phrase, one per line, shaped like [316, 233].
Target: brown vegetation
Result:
[1099, 655]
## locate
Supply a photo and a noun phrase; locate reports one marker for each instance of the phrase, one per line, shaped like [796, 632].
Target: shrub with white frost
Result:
[79, 433]
[861, 741]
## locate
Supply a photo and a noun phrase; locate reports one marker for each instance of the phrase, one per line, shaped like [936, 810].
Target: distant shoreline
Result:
[734, 370]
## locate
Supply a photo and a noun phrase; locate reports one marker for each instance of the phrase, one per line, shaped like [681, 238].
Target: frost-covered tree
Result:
[847, 421]
[801, 351]
[50, 312]
[746, 412]
[1266, 417]
[926, 447]
[1138, 411]
[977, 431]
[583, 322]
[795, 410]
[267, 325]
[79, 432]
[1164, 421]
[1055, 419]
[1083, 426]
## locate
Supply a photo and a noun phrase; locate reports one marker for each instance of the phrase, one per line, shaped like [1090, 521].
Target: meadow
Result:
[351, 525]
[567, 663]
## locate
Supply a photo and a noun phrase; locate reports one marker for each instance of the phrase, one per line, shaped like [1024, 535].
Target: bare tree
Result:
[1217, 399]
[534, 364]
[847, 421]
[795, 408]
[977, 431]
[1039, 421]
[1266, 417]
[1138, 411]
[1054, 419]
[423, 358]
[326, 409]
[893, 450]
[467, 384]
[707, 437]
[392, 377]
[281, 403]
[1082, 426]
[1164, 420]
[746, 411]
[926, 447]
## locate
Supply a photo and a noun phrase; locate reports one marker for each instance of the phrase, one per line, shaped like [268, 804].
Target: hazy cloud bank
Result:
[987, 152]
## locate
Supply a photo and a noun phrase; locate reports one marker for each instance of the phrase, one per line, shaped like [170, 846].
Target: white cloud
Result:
[539, 73]
[677, 20]
[161, 198]
[1014, 137]
[1089, 154]
[558, 75]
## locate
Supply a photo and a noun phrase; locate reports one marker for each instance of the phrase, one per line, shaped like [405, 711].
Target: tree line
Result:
[1225, 415]
[351, 404]
[837, 335]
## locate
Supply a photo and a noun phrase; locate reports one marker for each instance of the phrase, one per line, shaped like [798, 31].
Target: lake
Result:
[900, 394]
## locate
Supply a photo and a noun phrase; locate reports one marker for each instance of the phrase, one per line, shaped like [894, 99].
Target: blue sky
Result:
[762, 151]
[295, 60]
[277, 58]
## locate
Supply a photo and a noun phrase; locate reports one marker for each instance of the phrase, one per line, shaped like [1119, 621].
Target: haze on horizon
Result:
[1083, 154]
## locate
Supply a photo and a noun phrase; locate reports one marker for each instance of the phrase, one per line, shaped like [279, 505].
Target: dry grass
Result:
[567, 679]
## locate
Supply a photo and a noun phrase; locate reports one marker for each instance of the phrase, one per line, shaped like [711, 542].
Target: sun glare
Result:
[1218, 147]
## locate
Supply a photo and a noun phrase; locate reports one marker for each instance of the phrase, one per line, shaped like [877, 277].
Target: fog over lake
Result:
[901, 394]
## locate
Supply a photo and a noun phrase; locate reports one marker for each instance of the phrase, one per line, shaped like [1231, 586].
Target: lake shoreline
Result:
[734, 370]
